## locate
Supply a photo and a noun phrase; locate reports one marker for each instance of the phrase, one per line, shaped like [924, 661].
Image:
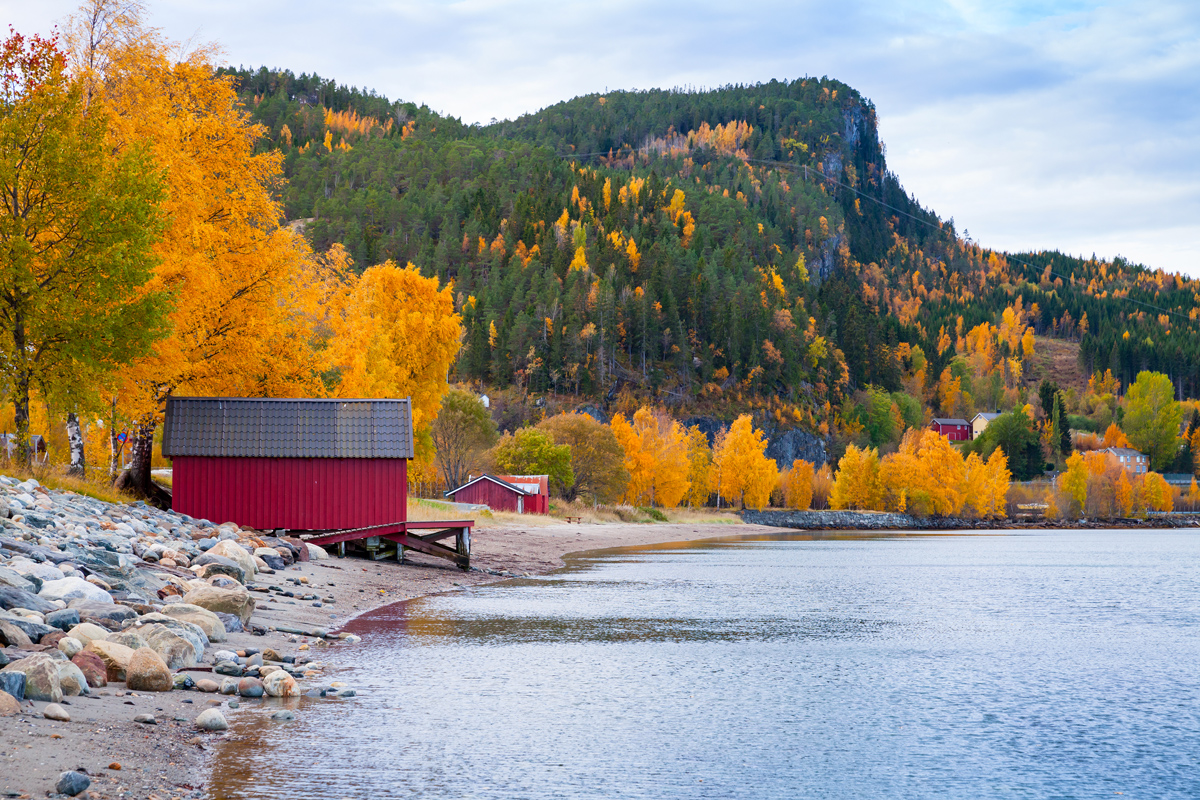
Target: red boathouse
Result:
[302, 465]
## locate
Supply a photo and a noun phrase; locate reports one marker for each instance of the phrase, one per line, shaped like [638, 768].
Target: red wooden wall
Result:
[293, 493]
[493, 495]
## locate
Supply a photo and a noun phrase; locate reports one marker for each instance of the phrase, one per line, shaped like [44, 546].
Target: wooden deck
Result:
[405, 535]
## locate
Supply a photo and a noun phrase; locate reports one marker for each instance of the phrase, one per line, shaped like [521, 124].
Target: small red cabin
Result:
[956, 430]
[530, 496]
[303, 465]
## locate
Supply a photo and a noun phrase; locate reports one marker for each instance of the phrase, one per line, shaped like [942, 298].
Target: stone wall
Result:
[833, 520]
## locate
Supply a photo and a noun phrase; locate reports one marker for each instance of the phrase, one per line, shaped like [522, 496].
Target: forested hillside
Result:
[739, 248]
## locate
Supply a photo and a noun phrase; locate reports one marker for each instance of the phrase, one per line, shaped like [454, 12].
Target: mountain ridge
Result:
[745, 246]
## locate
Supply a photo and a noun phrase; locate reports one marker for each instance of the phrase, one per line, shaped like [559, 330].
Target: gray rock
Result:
[72, 783]
[274, 562]
[34, 630]
[231, 622]
[224, 655]
[13, 683]
[212, 720]
[12, 635]
[795, 444]
[63, 619]
[228, 668]
[15, 580]
[18, 598]
[206, 543]
[283, 716]
[112, 613]
[146, 719]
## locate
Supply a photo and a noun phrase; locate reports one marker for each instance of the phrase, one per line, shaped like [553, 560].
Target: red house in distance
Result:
[956, 430]
[524, 494]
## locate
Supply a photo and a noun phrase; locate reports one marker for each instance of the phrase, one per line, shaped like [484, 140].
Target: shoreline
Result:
[172, 759]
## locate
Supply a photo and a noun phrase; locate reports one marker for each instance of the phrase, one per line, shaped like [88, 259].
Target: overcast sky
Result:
[1071, 125]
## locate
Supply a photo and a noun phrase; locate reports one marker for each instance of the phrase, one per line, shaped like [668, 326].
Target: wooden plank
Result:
[436, 536]
[333, 537]
[439, 523]
[431, 548]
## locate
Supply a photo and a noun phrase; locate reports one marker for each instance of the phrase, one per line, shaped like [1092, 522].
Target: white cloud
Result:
[1070, 125]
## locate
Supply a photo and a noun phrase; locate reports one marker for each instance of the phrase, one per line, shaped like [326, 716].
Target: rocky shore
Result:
[131, 637]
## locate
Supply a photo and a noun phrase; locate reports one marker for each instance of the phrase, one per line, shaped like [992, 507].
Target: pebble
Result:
[282, 716]
[207, 685]
[72, 783]
[146, 719]
[57, 713]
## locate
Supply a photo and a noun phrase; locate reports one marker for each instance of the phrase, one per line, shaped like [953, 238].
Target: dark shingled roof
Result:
[246, 427]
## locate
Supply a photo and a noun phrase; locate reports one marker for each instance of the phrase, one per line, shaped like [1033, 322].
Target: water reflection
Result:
[1052, 664]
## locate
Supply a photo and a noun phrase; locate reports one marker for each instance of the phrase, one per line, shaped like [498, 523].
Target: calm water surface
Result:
[1045, 664]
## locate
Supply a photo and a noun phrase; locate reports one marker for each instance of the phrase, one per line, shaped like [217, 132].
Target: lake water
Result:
[1016, 664]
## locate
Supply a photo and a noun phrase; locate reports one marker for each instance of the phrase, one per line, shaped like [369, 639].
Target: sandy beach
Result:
[128, 759]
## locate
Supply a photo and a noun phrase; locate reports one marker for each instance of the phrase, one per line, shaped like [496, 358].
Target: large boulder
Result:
[176, 647]
[235, 552]
[12, 636]
[93, 668]
[68, 589]
[41, 677]
[206, 620]
[88, 632]
[147, 672]
[71, 678]
[19, 598]
[235, 600]
[115, 657]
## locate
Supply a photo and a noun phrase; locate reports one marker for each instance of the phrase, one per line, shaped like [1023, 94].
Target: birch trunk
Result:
[78, 466]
